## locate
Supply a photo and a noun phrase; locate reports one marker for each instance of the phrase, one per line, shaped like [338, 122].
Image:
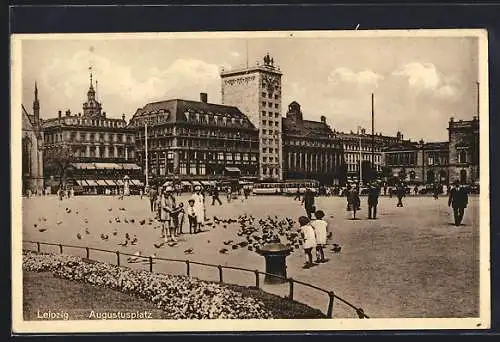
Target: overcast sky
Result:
[419, 83]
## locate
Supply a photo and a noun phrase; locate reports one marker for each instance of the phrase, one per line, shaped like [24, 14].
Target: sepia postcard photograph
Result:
[250, 181]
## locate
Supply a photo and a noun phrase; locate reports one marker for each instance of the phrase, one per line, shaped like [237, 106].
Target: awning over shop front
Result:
[168, 183]
[91, 182]
[195, 183]
[130, 166]
[110, 182]
[80, 182]
[185, 183]
[205, 182]
[101, 182]
[232, 169]
[119, 182]
[107, 166]
[83, 166]
[136, 182]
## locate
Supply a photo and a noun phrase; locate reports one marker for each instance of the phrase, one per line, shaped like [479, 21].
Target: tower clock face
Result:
[271, 83]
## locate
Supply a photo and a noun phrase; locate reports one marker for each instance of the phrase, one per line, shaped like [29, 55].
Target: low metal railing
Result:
[151, 261]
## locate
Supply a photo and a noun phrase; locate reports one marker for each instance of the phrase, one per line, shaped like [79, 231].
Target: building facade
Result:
[32, 148]
[358, 146]
[256, 91]
[418, 162]
[195, 140]
[310, 149]
[464, 150]
[89, 150]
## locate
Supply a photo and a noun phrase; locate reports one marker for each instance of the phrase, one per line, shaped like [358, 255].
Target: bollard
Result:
[187, 268]
[220, 272]
[117, 258]
[290, 295]
[331, 294]
[61, 248]
[38, 247]
[257, 285]
[88, 252]
[151, 264]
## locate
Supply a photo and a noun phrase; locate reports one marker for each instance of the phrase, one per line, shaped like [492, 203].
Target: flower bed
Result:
[181, 297]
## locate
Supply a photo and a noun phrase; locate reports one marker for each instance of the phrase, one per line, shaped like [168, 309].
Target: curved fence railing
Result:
[151, 261]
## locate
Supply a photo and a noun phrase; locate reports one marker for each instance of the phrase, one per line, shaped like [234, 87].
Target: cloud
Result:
[361, 78]
[424, 77]
[70, 77]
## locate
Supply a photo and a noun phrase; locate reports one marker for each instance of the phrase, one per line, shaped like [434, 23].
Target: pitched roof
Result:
[175, 110]
[306, 128]
[405, 146]
[441, 145]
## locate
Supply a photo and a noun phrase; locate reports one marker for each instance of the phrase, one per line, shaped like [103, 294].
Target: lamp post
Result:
[146, 152]
[360, 157]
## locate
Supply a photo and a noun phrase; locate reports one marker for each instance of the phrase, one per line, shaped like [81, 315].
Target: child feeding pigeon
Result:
[320, 227]
[309, 238]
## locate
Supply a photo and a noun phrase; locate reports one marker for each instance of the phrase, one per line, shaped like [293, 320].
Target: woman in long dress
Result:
[199, 207]
[165, 207]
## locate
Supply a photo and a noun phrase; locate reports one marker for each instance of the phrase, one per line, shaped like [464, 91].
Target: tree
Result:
[58, 160]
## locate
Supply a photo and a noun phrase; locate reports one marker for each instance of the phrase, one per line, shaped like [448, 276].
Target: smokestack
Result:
[204, 97]
[323, 119]
[68, 112]
[59, 114]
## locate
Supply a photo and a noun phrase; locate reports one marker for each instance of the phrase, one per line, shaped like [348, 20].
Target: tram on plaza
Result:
[289, 187]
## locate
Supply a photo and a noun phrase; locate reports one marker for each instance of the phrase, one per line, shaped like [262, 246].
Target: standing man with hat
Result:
[458, 200]
[308, 201]
[373, 194]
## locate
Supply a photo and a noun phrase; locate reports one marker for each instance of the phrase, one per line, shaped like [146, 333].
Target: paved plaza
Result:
[410, 262]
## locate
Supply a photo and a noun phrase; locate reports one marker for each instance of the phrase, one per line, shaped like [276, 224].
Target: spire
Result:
[36, 105]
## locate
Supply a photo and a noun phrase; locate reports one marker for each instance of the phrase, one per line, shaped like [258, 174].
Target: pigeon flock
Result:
[250, 233]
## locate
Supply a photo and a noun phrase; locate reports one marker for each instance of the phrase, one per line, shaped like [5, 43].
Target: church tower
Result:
[256, 91]
[36, 107]
[91, 107]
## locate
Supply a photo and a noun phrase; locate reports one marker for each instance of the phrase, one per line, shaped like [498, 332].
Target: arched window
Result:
[26, 156]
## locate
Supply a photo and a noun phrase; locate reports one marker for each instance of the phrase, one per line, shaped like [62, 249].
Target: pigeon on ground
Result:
[79, 236]
[42, 230]
[124, 244]
[115, 232]
[87, 231]
[134, 240]
[134, 258]
[127, 236]
[223, 251]
[188, 251]
[158, 245]
[59, 222]
[172, 244]
[142, 222]
[228, 242]
[235, 246]
[35, 225]
[109, 209]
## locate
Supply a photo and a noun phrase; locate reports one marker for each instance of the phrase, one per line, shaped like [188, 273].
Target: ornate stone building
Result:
[32, 148]
[358, 145]
[256, 91]
[90, 150]
[464, 150]
[310, 149]
[418, 162]
[196, 140]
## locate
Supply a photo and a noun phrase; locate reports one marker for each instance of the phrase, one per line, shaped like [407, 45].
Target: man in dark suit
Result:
[308, 201]
[373, 194]
[458, 200]
[400, 193]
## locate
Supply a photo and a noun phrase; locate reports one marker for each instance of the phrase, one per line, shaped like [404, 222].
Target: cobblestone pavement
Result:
[410, 262]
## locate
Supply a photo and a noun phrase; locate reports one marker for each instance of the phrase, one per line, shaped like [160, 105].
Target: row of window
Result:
[270, 171]
[314, 143]
[270, 95]
[363, 148]
[271, 159]
[401, 158]
[270, 105]
[354, 158]
[72, 136]
[196, 155]
[95, 122]
[213, 119]
[270, 150]
[270, 123]
[355, 167]
[155, 132]
[270, 132]
[271, 114]
[92, 152]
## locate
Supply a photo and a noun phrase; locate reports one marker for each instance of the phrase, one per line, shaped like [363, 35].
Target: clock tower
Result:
[256, 91]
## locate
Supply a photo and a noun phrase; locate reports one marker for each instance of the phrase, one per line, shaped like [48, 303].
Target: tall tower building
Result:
[36, 107]
[256, 91]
